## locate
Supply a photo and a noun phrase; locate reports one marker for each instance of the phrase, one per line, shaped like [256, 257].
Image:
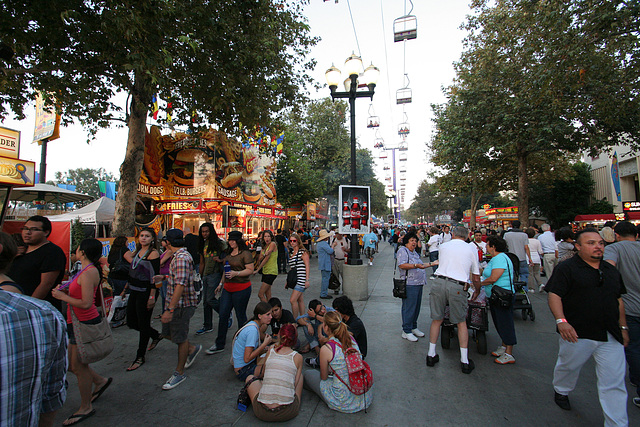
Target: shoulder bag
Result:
[121, 267]
[292, 275]
[502, 297]
[94, 342]
[399, 285]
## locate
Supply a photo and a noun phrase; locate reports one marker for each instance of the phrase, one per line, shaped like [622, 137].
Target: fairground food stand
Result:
[190, 179]
[14, 172]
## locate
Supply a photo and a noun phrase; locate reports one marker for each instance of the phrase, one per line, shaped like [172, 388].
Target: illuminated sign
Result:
[9, 143]
[177, 206]
[631, 206]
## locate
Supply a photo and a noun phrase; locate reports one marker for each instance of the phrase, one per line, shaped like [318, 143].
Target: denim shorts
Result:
[300, 288]
[246, 370]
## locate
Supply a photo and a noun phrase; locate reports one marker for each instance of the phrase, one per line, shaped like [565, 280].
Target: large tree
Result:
[430, 201]
[218, 62]
[548, 77]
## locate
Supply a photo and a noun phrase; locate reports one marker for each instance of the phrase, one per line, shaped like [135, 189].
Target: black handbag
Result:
[292, 275]
[502, 297]
[399, 285]
[121, 268]
[334, 282]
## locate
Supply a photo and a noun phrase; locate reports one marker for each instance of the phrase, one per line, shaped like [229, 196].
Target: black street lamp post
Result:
[353, 66]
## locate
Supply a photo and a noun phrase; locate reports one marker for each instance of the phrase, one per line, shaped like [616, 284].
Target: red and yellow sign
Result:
[17, 172]
[177, 206]
[206, 166]
[9, 143]
[47, 123]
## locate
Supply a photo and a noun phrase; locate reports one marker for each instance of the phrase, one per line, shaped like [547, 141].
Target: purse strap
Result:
[509, 269]
[396, 264]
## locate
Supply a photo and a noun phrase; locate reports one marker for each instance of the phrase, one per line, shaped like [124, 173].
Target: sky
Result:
[428, 61]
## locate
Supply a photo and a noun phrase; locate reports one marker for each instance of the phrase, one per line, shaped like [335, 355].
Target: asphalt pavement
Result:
[406, 391]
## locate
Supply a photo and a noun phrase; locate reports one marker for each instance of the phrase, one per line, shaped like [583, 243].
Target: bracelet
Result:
[150, 297]
[558, 321]
[624, 328]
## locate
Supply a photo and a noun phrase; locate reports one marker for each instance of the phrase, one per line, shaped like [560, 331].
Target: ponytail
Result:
[288, 336]
[92, 249]
[338, 329]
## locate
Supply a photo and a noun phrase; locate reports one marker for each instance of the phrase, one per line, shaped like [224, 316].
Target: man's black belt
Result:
[451, 280]
[549, 253]
[339, 259]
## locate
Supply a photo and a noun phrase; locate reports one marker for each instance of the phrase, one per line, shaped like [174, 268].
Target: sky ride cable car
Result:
[403, 157]
[383, 155]
[403, 96]
[404, 128]
[373, 121]
[403, 146]
[405, 28]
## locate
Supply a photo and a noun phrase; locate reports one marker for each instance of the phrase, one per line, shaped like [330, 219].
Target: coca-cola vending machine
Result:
[354, 214]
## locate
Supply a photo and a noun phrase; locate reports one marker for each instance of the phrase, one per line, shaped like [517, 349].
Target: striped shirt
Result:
[181, 273]
[33, 359]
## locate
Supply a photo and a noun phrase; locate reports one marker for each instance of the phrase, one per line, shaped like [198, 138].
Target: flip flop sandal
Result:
[139, 362]
[154, 343]
[101, 390]
[79, 417]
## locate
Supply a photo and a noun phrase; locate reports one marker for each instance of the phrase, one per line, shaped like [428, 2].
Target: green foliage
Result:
[77, 234]
[539, 80]
[562, 199]
[317, 157]
[85, 180]
[600, 207]
[430, 201]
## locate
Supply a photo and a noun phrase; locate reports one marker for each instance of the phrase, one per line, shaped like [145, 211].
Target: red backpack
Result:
[360, 375]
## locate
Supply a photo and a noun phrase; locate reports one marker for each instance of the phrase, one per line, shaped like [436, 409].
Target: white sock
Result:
[432, 350]
[464, 353]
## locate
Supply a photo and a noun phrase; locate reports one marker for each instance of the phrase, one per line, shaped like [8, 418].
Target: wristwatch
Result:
[624, 328]
[171, 310]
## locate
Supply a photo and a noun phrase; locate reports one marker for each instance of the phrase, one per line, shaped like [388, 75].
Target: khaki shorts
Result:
[281, 413]
[445, 292]
[178, 329]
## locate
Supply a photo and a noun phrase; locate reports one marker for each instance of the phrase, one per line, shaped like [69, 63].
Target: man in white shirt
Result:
[479, 245]
[446, 236]
[518, 243]
[550, 251]
[434, 245]
[449, 285]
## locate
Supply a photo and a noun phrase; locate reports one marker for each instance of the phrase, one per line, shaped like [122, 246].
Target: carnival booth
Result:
[98, 214]
[188, 179]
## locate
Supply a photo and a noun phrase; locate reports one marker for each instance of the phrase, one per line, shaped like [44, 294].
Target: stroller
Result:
[477, 323]
[522, 301]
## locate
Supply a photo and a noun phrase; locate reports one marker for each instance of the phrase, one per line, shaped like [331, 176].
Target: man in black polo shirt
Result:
[585, 298]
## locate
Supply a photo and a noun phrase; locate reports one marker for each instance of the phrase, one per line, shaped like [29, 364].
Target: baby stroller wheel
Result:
[524, 314]
[481, 339]
[532, 315]
[445, 337]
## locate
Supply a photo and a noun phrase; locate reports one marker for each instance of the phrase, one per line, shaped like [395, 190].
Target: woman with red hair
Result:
[276, 397]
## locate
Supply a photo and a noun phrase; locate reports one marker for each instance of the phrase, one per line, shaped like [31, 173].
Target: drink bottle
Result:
[346, 215]
[355, 214]
[227, 269]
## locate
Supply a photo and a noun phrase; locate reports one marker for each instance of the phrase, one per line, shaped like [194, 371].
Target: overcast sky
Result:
[427, 60]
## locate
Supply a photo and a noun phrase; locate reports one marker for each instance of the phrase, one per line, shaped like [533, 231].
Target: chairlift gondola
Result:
[405, 28]
[404, 128]
[373, 121]
[403, 146]
[383, 155]
[403, 96]
[403, 157]
[386, 167]
[403, 169]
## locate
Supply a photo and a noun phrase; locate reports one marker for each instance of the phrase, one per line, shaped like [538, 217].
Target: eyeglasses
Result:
[293, 240]
[31, 229]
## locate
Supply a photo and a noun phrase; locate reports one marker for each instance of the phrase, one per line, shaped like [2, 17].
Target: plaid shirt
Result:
[181, 273]
[33, 359]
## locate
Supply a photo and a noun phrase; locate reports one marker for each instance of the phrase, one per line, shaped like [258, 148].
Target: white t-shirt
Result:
[434, 243]
[548, 242]
[482, 245]
[535, 248]
[446, 237]
[458, 260]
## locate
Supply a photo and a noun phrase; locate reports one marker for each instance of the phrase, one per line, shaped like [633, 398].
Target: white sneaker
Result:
[370, 263]
[409, 337]
[499, 351]
[541, 288]
[532, 291]
[505, 359]
[417, 332]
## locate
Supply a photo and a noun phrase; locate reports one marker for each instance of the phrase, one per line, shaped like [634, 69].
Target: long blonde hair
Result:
[338, 329]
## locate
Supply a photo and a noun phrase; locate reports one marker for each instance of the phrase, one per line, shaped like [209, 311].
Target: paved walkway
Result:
[407, 393]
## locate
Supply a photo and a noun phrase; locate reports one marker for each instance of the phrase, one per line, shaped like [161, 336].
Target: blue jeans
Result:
[324, 288]
[411, 308]
[209, 284]
[524, 272]
[237, 301]
[312, 339]
[632, 351]
[433, 256]
[246, 370]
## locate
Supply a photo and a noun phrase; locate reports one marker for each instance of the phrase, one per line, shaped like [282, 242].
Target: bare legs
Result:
[265, 292]
[297, 303]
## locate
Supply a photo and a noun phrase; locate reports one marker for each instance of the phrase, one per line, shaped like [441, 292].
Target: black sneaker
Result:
[562, 401]
[432, 360]
[312, 362]
[467, 367]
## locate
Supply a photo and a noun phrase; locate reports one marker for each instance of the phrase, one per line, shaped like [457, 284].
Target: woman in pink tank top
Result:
[80, 296]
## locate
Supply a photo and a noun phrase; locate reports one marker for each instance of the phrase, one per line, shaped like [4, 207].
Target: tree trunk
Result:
[131, 168]
[523, 186]
[475, 198]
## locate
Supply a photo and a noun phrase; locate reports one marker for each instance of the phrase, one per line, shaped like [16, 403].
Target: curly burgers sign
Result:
[206, 166]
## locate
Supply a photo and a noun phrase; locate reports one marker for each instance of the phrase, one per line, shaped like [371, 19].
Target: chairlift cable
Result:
[353, 24]
[386, 60]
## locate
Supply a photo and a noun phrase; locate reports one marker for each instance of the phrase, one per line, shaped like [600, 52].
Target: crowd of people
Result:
[593, 282]
[592, 278]
[216, 272]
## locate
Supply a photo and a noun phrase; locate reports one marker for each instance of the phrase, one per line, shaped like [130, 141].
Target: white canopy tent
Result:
[102, 211]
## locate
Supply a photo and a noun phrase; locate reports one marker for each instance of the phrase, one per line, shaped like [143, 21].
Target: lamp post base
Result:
[356, 282]
[351, 261]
